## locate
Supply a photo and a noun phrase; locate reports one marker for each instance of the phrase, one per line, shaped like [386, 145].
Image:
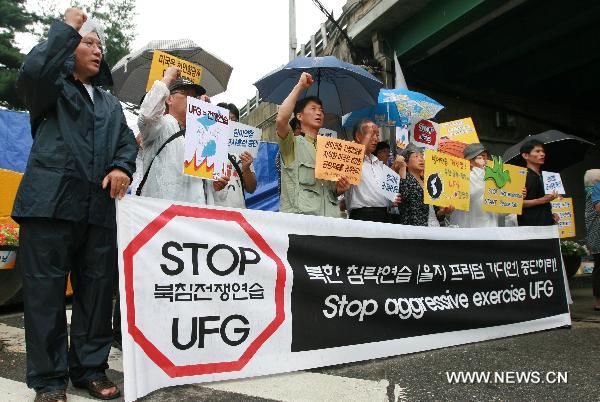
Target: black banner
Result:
[352, 290]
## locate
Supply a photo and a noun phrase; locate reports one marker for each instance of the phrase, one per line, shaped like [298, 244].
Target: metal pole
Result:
[292, 33]
[318, 82]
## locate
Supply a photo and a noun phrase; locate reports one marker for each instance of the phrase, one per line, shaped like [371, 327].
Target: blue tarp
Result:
[15, 140]
[15, 144]
[266, 196]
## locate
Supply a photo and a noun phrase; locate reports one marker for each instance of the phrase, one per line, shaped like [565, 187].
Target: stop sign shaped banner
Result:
[235, 271]
[425, 134]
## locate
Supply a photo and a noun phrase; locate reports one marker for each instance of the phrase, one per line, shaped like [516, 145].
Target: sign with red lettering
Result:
[212, 294]
[339, 158]
[425, 134]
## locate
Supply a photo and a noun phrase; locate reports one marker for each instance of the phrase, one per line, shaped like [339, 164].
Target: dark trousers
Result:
[49, 249]
[371, 214]
[596, 276]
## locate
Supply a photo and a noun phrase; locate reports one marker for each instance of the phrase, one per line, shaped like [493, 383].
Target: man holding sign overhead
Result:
[301, 192]
[162, 125]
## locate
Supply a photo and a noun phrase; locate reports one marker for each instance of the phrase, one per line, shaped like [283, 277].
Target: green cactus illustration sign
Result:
[497, 172]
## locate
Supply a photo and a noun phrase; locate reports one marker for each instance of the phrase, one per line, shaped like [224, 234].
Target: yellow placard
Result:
[9, 184]
[504, 185]
[161, 61]
[446, 180]
[462, 130]
[566, 219]
[339, 158]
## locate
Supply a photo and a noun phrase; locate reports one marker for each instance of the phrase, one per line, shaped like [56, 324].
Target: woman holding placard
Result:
[412, 208]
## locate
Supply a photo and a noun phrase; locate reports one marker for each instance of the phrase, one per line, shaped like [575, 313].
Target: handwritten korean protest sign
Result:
[161, 61]
[563, 207]
[552, 183]
[504, 186]
[462, 130]
[325, 132]
[390, 184]
[243, 138]
[425, 134]
[206, 139]
[211, 294]
[446, 180]
[339, 158]
[402, 137]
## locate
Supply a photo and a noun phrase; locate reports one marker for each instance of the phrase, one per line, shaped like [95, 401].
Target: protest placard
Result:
[326, 132]
[401, 137]
[390, 184]
[206, 139]
[161, 61]
[212, 294]
[462, 130]
[504, 186]
[563, 207]
[339, 158]
[243, 138]
[446, 180]
[552, 183]
[425, 134]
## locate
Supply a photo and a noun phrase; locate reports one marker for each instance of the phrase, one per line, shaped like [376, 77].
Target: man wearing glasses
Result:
[162, 117]
[83, 156]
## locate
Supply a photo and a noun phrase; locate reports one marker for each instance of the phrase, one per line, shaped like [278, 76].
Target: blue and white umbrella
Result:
[414, 105]
[382, 114]
[342, 87]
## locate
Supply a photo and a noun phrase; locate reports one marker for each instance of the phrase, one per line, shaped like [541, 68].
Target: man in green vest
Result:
[301, 192]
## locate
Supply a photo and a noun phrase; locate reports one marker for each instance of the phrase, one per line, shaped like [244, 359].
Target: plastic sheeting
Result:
[266, 195]
[15, 140]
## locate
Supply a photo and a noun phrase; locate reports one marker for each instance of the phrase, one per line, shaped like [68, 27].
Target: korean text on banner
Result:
[462, 130]
[244, 293]
[553, 183]
[206, 139]
[566, 219]
[504, 186]
[326, 132]
[244, 138]
[390, 184]
[339, 158]
[161, 61]
[446, 180]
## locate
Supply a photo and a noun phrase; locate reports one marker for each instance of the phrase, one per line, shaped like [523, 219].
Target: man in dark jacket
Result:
[83, 155]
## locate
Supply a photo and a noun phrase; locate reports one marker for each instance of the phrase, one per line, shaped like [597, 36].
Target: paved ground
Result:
[548, 356]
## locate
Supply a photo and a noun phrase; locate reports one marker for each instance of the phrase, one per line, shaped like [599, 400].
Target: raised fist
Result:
[75, 18]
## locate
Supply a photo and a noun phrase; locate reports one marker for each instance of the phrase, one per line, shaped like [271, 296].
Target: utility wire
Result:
[335, 24]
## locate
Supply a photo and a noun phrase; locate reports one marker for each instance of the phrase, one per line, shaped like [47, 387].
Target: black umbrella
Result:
[562, 150]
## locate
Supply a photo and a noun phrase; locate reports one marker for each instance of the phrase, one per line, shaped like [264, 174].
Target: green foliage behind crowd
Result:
[35, 17]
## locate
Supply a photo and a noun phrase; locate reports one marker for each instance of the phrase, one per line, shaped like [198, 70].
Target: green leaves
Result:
[497, 172]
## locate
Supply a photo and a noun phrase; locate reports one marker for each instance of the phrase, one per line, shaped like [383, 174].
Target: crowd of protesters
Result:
[84, 154]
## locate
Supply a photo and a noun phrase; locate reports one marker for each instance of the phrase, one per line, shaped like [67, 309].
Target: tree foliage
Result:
[115, 16]
[13, 19]
[36, 16]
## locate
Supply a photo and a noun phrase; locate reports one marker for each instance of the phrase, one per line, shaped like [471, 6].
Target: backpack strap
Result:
[178, 134]
[236, 166]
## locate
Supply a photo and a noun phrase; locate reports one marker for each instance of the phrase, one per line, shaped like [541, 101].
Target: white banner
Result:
[212, 294]
[244, 138]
